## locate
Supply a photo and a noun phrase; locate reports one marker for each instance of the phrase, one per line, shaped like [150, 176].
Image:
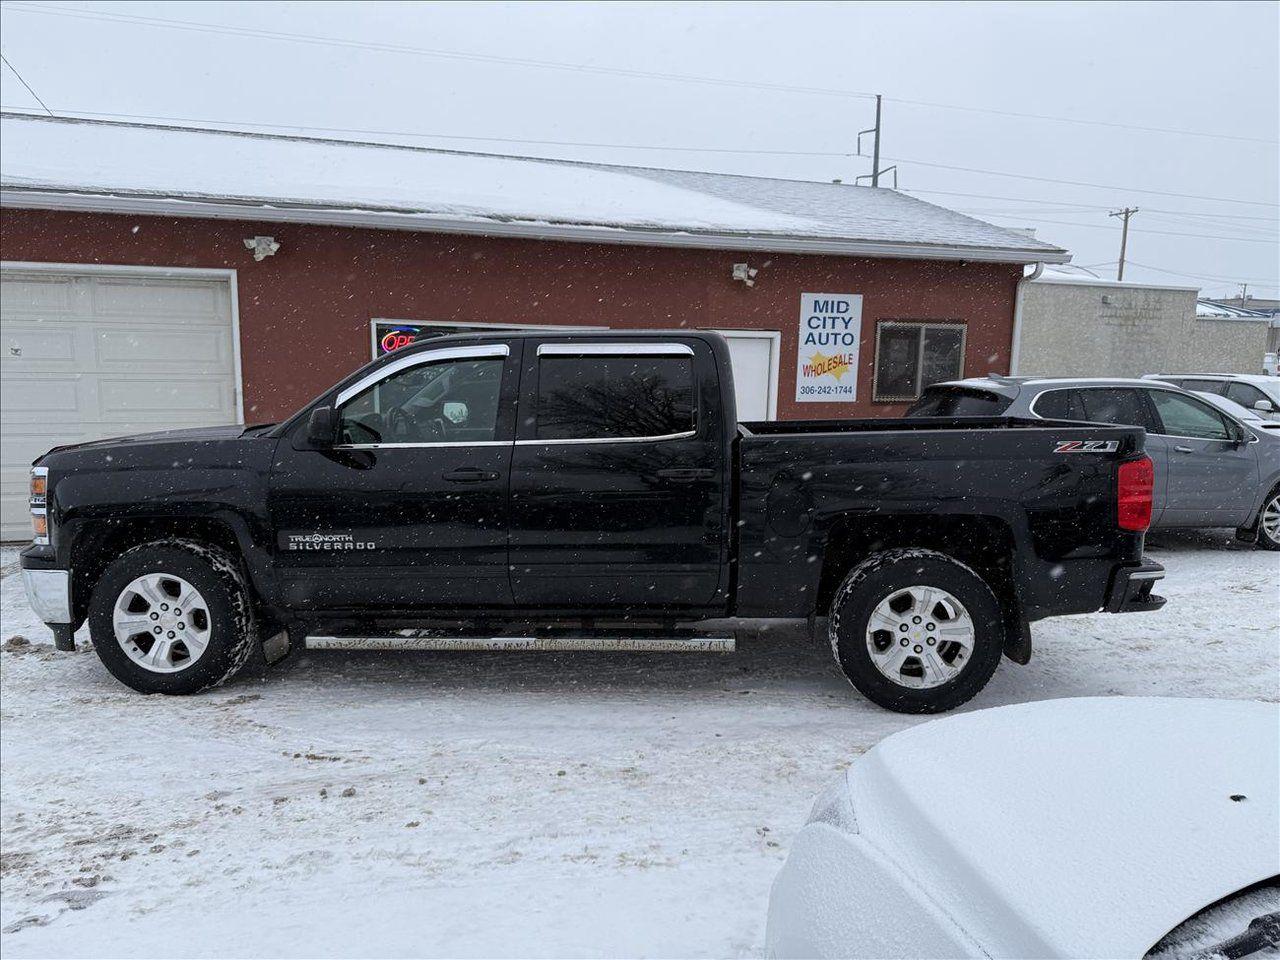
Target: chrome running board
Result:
[630, 644]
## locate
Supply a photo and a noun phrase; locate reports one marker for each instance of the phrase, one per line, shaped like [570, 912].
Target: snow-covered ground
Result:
[496, 804]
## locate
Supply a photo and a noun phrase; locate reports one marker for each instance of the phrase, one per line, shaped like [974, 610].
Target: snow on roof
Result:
[1072, 274]
[1221, 311]
[61, 163]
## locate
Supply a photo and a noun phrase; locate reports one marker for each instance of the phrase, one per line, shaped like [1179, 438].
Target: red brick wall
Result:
[304, 313]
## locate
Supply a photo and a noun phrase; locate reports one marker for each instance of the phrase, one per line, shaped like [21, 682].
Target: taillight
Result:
[1134, 486]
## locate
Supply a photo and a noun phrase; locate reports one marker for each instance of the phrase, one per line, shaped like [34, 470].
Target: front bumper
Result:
[49, 593]
[1130, 590]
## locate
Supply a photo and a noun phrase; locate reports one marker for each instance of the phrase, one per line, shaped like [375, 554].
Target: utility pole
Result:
[874, 175]
[875, 156]
[1244, 295]
[1126, 213]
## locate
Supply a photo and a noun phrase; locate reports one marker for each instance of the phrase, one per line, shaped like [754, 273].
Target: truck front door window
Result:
[451, 401]
[603, 398]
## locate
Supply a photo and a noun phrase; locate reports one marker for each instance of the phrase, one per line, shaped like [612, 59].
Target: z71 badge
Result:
[1086, 446]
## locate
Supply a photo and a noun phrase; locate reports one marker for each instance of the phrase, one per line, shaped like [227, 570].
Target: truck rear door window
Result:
[603, 397]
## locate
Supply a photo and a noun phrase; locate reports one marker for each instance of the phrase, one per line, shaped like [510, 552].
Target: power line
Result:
[1268, 282]
[24, 83]
[202, 27]
[192, 26]
[1162, 233]
[1081, 183]
[1082, 206]
[1096, 123]
[447, 136]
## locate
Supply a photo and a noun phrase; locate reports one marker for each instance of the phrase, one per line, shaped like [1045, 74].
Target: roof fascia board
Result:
[1103, 283]
[30, 198]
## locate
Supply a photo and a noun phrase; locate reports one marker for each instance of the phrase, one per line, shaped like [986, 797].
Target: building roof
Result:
[1071, 274]
[110, 166]
[1223, 311]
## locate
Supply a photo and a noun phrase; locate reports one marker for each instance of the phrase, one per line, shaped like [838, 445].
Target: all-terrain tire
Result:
[231, 627]
[879, 578]
[1270, 509]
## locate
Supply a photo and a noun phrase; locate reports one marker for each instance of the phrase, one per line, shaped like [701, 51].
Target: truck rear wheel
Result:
[173, 617]
[916, 631]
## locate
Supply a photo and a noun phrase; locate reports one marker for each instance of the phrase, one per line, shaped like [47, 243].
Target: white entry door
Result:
[88, 355]
[755, 372]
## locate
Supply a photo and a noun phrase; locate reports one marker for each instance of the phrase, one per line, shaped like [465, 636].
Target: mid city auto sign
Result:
[827, 362]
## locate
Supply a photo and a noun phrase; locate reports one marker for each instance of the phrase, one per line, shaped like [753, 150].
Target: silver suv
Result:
[1212, 470]
[1260, 394]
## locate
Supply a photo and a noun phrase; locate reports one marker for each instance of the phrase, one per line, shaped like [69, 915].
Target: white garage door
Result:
[90, 355]
[755, 372]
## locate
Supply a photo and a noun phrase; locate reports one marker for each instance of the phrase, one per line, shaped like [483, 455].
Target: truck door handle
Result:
[1182, 449]
[686, 474]
[469, 475]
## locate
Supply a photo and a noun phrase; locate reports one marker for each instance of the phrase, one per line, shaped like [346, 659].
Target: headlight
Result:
[40, 505]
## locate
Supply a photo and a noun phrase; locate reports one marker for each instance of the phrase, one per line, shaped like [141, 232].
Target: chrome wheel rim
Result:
[920, 637]
[162, 622]
[1271, 519]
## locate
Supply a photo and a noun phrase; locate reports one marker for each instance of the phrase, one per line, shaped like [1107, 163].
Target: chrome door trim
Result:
[420, 446]
[614, 349]
[687, 434]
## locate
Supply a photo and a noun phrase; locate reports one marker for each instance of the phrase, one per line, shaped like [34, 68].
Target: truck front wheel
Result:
[916, 631]
[172, 616]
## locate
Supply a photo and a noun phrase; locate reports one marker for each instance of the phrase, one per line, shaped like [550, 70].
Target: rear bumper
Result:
[1130, 590]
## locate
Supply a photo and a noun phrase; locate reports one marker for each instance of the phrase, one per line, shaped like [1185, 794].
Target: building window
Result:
[911, 356]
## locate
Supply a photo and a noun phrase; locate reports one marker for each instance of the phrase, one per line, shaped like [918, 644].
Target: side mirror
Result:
[1266, 406]
[456, 412]
[322, 428]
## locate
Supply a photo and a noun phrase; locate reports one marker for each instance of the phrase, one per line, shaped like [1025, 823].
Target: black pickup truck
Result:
[584, 491]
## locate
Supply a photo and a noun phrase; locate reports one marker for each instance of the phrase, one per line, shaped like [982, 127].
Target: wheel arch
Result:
[984, 543]
[97, 542]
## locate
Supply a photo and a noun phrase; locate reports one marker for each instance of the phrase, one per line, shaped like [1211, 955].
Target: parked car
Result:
[1257, 392]
[1250, 418]
[1094, 827]
[499, 486]
[1211, 469]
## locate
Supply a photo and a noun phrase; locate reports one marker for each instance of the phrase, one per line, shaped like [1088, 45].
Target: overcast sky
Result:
[1211, 69]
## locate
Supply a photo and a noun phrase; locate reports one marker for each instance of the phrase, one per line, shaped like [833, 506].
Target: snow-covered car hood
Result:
[1083, 828]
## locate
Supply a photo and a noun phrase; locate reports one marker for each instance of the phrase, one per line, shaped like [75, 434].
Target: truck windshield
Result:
[959, 402]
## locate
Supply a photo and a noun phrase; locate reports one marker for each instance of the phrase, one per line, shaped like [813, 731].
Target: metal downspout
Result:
[1015, 349]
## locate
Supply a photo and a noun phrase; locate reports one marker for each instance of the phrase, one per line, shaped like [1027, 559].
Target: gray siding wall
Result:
[1068, 331]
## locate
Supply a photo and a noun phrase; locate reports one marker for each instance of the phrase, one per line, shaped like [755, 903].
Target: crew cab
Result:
[585, 491]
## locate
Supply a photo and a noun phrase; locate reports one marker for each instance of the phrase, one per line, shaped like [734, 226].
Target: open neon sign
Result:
[395, 339]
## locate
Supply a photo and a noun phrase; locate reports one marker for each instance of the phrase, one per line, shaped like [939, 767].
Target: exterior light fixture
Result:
[262, 247]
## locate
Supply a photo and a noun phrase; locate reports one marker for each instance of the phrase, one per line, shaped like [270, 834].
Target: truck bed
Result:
[1040, 492]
